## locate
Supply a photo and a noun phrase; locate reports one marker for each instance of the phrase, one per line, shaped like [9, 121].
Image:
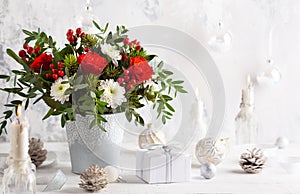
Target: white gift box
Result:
[160, 166]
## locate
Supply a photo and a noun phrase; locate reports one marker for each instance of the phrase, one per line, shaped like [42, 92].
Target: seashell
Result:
[209, 150]
[149, 137]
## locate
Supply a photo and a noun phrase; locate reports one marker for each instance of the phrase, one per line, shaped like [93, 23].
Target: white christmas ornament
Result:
[208, 170]
[112, 173]
[209, 150]
[282, 142]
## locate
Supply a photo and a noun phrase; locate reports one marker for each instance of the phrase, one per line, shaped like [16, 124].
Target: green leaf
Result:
[96, 25]
[81, 86]
[49, 113]
[12, 54]
[27, 32]
[167, 72]
[26, 103]
[4, 76]
[177, 82]
[93, 124]
[128, 115]
[16, 102]
[163, 118]
[170, 107]
[8, 114]
[63, 120]
[3, 125]
[68, 91]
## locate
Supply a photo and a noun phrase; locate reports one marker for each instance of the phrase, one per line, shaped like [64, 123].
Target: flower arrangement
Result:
[93, 74]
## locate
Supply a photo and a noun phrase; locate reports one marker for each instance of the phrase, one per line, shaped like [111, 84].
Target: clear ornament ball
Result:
[282, 142]
[221, 42]
[208, 170]
[112, 173]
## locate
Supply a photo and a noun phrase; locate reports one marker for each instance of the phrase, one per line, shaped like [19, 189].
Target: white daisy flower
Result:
[113, 53]
[113, 93]
[58, 89]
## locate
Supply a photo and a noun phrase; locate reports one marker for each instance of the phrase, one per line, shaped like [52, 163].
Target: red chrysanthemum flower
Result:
[93, 63]
[41, 62]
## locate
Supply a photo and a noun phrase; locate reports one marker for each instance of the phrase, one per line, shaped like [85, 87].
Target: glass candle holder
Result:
[19, 178]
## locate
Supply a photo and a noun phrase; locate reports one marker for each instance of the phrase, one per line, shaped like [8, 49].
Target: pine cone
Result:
[253, 161]
[36, 152]
[93, 179]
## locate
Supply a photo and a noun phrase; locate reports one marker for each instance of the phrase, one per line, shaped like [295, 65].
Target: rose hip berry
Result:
[61, 73]
[78, 31]
[22, 53]
[126, 40]
[126, 72]
[51, 66]
[48, 76]
[71, 39]
[86, 49]
[25, 46]
[121, 80]
[54, 71]
[30, 50]
[60, 65]
[55, 76]
[70, 32]
[37, 49]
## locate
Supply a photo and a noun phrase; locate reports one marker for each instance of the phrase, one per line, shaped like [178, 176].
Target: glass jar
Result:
[246, 125]
[19, 178]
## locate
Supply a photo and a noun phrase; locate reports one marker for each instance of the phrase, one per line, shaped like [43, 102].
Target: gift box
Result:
[163, 166]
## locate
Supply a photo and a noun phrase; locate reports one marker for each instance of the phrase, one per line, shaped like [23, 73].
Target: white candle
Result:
[19, 144]
[250, 91]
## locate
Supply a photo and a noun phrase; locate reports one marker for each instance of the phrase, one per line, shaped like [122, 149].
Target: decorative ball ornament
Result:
[208, 170]
[149, 137]
[282, 142]
[93, 179]
[211, 151]
[253, 161]
[36, 151]
[112, 173]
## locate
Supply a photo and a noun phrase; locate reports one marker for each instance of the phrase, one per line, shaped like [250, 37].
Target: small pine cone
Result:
[253, 161]
[93, 179]
[36, 151]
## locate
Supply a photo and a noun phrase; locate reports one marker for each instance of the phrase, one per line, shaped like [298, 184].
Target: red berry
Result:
[48, 76]
[82, 34]
[55, 76]
[25, 46]
[86, 49]
[70, 32]
[54, 71]
[133, 81]
[121, 80]
[30, 50]
[134, 42]
[126, 78]
[51, 66]
[129, 87]
[78, 31]
[60, 65]
[61, 73]
[22, 53]
[138, 47]
[126, 72]
[37, 49]
[71, 39]
[124, 57]
[126, 40]
[24, 58]
[75, 38]
[130, 44]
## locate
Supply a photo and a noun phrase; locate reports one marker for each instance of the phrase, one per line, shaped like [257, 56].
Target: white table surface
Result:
[229, 179]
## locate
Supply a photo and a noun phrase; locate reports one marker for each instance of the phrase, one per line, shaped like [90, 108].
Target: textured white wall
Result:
[277, 107]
